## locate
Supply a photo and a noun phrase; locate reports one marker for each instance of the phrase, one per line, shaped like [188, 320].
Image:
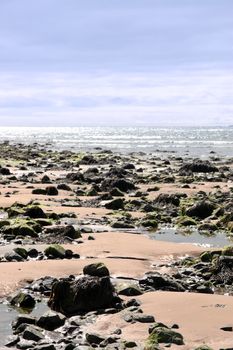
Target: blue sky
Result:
[116, 62]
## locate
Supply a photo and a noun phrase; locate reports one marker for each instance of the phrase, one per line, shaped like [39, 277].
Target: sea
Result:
[196, 142]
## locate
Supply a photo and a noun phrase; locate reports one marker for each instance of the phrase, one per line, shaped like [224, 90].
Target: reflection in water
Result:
[8, 314]
[217, 239]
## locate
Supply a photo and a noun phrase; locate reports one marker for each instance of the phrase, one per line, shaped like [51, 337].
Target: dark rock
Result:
[97, 269]
[51, 320]
[82, 295]
[93, 338]
[62, 231]
[13, 256]
[23, 319]
[55, 251]
[5, 171]
[45, 179]
[64, 187]
[51, 191]
[41, 191]
[115, 204]
[165, 199]
[33, 333]
[130, 290]
[23, 300]
[34, 212]
[163, 335]
[198, 166]
[161, 282]
[201, 210]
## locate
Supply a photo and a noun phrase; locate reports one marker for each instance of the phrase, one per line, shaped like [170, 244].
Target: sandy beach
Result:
[109, 214]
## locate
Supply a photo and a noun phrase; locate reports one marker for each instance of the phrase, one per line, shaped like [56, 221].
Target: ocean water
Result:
[193, 141]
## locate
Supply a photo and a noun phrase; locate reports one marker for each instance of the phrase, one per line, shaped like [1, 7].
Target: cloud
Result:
[157, 99]
[116, 61]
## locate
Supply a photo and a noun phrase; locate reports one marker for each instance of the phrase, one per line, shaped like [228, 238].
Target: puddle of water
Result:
[8, 314]
[218, 239]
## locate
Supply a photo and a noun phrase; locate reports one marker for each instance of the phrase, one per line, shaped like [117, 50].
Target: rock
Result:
[163, 335]
[93, 338]
[23, 319]
[222, 270]
[201, 210]
[63, 231]
[21, 251]
[97, 269]
[186, 221]
[55, 251]
[23, 300]
[122, 224]
[64, 187]
[25, 344]
[33, 333]
[198, 166]
[131, 290]
[51, 320]
[82, 295]
[115, 204]
[115, 192]
[33, 253]
[40, 191]
[138, 317]
[149, 223]
[34, 212]
[5, 171]
[45, 347]
[45, 179]
[227, 328]
[12, 341]
[130, 344]
[122, 184]
[13, 256]
[165, 199]
[161, 282]
[203, 347]
[51, 191]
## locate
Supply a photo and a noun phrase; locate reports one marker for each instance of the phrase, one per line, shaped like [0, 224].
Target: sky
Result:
[116, 62]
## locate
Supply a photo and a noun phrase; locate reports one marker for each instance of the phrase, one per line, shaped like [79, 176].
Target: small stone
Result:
[93, 338]
[33, 333]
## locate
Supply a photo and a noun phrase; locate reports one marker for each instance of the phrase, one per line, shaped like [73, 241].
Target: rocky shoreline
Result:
[82, 218]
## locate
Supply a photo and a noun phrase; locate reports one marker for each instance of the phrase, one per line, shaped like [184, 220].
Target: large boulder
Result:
[72, 297]
[201, 210]
[198, 166]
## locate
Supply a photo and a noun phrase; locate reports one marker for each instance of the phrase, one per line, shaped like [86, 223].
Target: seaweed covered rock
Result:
[201, 210]
[22, 300]
[160, 333]
[55, 251]
[98, 269]
[198, 166]
[223, 270]
[62, 231]
[72, 297]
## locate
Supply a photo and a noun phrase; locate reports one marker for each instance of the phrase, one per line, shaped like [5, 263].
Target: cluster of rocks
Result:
[54, 251]
[75, 303]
